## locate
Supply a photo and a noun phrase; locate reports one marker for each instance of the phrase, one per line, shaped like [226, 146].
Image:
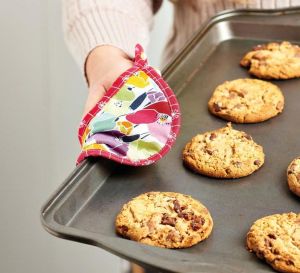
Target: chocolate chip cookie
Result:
[276, 239]
[164, 219]
[223, 153]
[246, 101]
[273, 61]
[293, 176]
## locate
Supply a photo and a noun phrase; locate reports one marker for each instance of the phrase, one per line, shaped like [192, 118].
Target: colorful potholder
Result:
[137, 120]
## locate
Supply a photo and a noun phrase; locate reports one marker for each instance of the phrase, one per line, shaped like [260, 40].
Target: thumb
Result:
[95, 94]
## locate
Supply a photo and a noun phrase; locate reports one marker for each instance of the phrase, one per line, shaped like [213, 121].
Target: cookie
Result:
[293, 176]
[246, 101]
[276, 239]
[273, 61]
[223, 153]
[164, 219]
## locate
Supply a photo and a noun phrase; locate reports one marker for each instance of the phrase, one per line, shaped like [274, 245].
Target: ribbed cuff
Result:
[107, 26]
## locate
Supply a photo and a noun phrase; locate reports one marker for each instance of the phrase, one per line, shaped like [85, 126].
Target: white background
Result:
[42, 96]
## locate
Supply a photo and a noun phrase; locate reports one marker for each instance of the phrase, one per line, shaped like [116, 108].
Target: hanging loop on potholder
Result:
[137, 120]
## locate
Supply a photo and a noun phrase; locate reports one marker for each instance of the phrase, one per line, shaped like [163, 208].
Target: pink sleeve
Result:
[121, 23]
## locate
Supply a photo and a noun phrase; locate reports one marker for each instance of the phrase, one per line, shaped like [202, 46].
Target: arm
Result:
[101, 35]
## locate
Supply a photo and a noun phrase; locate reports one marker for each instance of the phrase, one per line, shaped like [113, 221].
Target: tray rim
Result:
[221, 16]
[47, 210]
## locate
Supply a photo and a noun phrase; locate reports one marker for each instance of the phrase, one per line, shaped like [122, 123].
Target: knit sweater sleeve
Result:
[120, 23]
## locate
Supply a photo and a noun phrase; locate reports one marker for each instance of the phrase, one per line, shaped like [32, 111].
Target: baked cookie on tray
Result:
[293, 176]
[246, 101]
[223, 153]
[273, 61]
[164, 219]
[276, 239]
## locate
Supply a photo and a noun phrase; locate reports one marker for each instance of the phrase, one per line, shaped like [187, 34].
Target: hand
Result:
[103, 66]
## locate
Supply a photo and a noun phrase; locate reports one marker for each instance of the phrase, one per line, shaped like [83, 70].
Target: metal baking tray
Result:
[84, 208]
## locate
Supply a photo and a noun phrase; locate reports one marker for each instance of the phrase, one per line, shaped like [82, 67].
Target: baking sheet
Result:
[84, 207]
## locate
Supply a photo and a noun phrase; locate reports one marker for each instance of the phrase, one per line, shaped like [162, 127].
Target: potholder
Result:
[137, 120]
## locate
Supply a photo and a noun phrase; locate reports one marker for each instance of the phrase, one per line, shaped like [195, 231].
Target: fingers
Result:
[94, 95]
[105, 64]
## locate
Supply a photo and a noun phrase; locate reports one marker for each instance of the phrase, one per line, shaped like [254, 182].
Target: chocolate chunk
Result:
[151, 225]
[177, 207]
[168, 220]
[179, 210]
[197, 222]
[216, 107]
[257, 162]
[199, 219]
[289, 262]
[227, 170]
[212, 136]
[290, 172]
[124, 229]
[171, 236]
[186, 216]
[195, 226]
[268, 243]
[272, 236]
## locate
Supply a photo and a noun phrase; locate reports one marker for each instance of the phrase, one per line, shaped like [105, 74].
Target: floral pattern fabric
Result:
[137, 120]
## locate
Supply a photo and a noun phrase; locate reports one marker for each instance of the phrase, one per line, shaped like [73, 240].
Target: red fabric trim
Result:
[139, 64]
